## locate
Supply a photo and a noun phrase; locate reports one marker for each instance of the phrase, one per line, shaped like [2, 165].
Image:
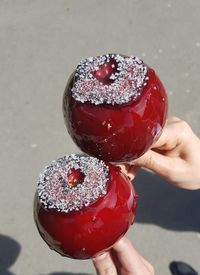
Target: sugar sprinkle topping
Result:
[127, 80]
[55, 192]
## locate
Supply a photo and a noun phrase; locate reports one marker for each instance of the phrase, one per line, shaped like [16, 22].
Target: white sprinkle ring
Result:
[127, 81]
[54, 191]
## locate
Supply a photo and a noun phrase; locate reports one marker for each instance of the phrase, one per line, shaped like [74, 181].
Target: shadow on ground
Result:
[164, 205]
[9, 251]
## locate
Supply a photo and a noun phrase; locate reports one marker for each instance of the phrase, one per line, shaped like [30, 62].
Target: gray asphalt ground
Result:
[41, 42]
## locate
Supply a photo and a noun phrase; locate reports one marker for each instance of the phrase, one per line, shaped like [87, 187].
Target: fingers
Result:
[165, 166]
[172, 119]
[129, 170]
[124, 256]
[175, 133]
[104, 265]
[171, 135]
[130, 260]
[161, 158]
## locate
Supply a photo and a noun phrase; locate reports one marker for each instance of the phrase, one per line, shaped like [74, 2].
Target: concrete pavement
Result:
[41, 42]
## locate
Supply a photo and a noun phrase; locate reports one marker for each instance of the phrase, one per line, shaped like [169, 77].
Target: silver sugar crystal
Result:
[126, 86]
[53, 189]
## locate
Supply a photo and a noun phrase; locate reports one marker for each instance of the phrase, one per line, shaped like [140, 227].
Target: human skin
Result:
[122, 259]
[120, 132]
[175, 156]
[93, 229]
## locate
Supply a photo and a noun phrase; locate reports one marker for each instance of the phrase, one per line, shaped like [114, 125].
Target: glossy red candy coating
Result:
[104, 72]
[75, 177]
[84, 234]
[120, 132]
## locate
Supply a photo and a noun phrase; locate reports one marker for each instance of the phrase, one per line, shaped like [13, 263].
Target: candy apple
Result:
[114, 107]
[83, 206]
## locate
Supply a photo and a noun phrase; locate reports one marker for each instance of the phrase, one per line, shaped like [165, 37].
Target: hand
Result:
[122, 259]
[175, 156]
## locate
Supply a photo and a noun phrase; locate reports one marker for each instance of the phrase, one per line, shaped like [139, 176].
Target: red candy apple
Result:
[83, 206]
[114, 107]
